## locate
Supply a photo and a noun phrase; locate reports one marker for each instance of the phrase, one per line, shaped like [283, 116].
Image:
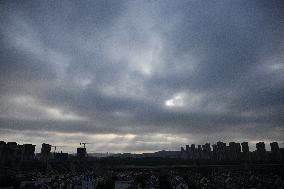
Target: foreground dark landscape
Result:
[232, 166]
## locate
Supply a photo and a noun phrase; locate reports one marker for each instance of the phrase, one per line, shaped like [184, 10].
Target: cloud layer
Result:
[141, 75]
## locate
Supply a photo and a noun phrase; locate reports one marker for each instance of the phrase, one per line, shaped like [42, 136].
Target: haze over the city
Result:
[139, 76]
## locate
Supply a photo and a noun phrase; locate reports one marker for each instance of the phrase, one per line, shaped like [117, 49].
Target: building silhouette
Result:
[13, 154]
[81, 153]
[260, 151]
[45, 151]
[275, 152]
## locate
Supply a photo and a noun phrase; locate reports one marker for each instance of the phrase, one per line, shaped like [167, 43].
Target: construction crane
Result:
[56, 147]
[84, 143]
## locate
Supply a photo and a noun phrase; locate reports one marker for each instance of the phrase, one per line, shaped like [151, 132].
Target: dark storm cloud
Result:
[151, 70]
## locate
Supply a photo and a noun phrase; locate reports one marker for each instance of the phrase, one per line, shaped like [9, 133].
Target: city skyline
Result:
[225, 166]
[141, 76]
[251, 147]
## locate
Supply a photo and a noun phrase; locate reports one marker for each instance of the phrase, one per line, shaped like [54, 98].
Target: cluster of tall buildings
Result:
[233, 152]
[12, 152]
[45, 153]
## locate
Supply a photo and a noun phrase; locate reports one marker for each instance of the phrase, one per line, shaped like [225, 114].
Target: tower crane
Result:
[56, 147]
[84, 143]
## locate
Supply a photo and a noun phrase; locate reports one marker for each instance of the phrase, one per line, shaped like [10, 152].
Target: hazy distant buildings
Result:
[233, 152]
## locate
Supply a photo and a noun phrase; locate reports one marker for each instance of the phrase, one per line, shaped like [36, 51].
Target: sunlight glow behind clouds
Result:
[189, 101]
[177, 101]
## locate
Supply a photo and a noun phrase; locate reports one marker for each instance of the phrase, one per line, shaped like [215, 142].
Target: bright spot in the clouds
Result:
[176, 101]
[188, 100]
[277, 67]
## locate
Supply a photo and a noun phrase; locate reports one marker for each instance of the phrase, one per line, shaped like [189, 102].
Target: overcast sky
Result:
[145, 75]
